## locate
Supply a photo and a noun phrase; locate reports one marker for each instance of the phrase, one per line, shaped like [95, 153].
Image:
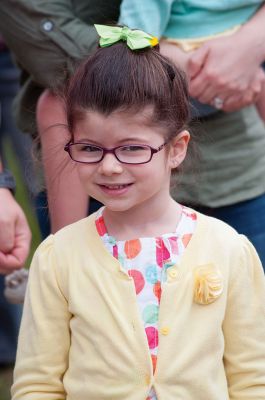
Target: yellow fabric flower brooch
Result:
[208, 284]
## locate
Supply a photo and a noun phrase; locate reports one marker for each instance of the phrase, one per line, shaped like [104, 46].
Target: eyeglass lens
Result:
[132, 154]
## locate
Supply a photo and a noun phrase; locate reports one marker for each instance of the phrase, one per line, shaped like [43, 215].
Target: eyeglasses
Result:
[128, 154]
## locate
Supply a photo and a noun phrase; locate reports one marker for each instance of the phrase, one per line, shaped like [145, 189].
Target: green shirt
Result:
[48, 38]
[231, 165]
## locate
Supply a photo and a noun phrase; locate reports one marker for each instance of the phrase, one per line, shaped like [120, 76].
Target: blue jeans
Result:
[41, 206]
[9, 314]
[247, 217]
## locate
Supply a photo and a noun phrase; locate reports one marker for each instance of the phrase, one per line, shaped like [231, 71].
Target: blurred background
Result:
[16, 149]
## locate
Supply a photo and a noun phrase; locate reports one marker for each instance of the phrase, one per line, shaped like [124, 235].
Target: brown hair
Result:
[117, 78]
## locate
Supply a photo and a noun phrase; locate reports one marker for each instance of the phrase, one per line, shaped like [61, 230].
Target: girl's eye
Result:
[88, 148]
[133, 148]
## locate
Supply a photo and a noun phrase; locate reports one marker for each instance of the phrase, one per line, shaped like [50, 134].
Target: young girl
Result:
[145, 299]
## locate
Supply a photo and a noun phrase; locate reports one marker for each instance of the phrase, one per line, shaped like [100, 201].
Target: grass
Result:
[23, 198]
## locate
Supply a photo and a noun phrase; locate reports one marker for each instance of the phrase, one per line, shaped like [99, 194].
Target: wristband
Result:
[7, 181]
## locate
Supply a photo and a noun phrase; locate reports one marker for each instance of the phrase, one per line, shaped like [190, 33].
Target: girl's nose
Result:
[110, 165]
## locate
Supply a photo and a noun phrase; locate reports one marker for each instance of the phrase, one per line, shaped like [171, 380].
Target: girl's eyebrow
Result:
[122, 141]
[85, 139]
[132, 139]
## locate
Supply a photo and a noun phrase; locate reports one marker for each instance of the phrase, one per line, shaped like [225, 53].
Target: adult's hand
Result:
[250, 96]
[194, 62]
[220, 68]
[229, 67]
[15, 235]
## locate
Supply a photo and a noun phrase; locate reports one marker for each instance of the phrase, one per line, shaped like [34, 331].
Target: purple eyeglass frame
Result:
[112, 150]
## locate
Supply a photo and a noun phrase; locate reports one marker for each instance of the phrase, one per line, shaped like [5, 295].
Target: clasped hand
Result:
[226, 67]
[15, 235]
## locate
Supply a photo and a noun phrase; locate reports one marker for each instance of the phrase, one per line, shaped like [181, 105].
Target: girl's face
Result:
[121, 187]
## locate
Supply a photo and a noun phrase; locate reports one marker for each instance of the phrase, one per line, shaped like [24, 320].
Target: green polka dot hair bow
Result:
[135, 39]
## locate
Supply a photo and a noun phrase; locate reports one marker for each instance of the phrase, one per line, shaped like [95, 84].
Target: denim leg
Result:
[41, 206]
[42, 212]
[10, 315]
[247, 217]
[94, 205]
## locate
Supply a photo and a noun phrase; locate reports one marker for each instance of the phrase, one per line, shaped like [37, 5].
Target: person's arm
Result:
[15, 235]
[229, 67]
[244, 326]
[44, 339]
[67, 199]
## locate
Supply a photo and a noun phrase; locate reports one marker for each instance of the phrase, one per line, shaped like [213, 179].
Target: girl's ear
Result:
[178, 149]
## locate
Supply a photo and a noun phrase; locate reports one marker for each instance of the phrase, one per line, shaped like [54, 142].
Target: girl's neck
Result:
[139, 222]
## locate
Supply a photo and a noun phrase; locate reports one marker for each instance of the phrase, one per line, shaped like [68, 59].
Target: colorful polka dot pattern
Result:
[146, 261]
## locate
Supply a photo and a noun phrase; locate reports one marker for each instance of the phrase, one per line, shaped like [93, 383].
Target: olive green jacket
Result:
[47, 39]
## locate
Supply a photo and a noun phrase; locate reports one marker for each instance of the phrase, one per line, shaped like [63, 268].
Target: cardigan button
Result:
[147, 379]
[172, 273]
[165, 330]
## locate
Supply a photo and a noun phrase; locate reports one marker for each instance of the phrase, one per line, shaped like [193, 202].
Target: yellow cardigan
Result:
[82, 337]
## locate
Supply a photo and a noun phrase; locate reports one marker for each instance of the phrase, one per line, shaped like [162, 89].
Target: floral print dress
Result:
[146, 260]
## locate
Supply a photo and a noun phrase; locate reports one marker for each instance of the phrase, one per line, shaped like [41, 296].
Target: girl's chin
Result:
[112, 205]
[116, 207]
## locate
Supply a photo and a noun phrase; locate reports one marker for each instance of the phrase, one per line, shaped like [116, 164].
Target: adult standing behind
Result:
[224, 70]
[48, 39]
[14, 248]
[15, 235]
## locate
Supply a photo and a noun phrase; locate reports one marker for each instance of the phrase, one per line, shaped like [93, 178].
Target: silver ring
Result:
[218, 103]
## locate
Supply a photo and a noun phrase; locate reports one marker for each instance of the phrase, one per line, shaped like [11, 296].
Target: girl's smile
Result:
[115, 189]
